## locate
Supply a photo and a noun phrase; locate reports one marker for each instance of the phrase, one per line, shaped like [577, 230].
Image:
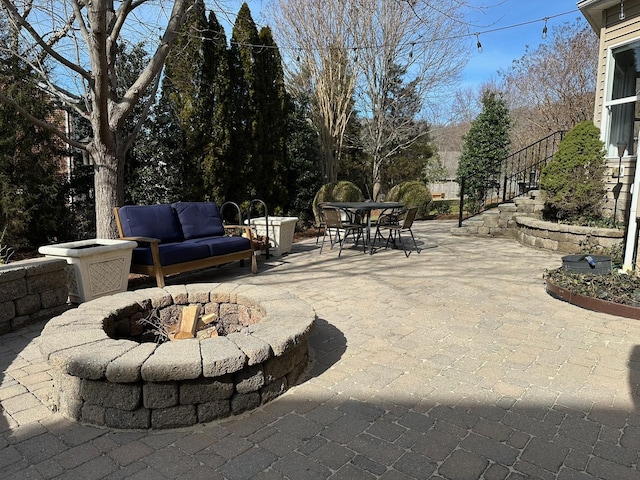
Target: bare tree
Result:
[552, 88]
[407, 53]
[386, 59]
[319, 34]
[73, 46]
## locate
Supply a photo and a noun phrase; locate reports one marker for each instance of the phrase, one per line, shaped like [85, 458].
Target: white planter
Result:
[281, 230]
[96, 267]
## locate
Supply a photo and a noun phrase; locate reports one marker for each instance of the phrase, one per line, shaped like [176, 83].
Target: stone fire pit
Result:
[108, 373]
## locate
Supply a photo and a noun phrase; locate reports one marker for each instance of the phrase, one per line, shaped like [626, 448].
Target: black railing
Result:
[519, 173]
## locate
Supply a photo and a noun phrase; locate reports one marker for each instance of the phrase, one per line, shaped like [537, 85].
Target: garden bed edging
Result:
[591, 303]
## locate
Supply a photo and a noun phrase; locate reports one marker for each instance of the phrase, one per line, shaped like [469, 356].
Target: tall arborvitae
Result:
[219, 175]
[181, 89]
[272, 103]
[242, 69]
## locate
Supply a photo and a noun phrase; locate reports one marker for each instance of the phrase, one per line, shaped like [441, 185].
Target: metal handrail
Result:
[520, 173]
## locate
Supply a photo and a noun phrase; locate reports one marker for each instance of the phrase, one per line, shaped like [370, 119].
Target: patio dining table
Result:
[366, 208]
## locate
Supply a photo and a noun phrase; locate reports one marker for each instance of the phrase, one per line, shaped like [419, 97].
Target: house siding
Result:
[615, 32]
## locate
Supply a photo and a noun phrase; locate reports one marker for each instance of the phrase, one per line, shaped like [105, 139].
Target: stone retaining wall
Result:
[30, 291]
[105, 380]
[565, 238]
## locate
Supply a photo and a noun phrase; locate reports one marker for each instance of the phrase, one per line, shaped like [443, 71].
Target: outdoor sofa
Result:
[181, 237]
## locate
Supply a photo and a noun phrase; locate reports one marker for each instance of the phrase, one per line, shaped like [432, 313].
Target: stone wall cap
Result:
[179, 360]
[31, 266]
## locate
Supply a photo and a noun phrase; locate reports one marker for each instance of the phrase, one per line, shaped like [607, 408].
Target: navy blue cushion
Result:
[171, 253]
[199, 219]
[156, 221]
[221, 245]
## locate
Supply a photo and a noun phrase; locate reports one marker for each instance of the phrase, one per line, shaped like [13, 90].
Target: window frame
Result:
[612, 125]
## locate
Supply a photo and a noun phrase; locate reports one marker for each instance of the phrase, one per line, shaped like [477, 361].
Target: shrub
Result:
[342, 191]
[442, 207]
[412, 194]
[574, 180]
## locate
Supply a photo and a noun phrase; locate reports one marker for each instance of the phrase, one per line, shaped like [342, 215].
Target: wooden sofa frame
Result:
[159, 271]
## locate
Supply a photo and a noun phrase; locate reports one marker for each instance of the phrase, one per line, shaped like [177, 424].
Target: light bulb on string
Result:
[479, 45]
[544, 29]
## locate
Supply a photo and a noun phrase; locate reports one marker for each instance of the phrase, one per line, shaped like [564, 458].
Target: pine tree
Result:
[485, 146]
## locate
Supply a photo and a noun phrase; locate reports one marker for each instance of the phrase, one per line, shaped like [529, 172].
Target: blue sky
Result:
[503, 37]
[501, 47]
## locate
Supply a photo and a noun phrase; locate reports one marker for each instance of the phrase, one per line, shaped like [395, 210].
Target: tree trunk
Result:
[377, 180]
[109, 191]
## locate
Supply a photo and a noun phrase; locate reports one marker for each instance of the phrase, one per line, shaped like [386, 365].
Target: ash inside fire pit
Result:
[110, 368]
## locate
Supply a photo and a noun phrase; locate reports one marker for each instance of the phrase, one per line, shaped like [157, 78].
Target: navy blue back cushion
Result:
[199, 219]
[156, 221]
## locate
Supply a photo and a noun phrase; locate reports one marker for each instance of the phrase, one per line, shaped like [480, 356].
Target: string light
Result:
[477, 34]
[621, 16]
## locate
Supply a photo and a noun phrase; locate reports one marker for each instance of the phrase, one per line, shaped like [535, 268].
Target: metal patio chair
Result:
[334, 222]
[396, 226]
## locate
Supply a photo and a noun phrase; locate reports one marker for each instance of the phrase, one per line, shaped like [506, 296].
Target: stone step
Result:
[507, 207]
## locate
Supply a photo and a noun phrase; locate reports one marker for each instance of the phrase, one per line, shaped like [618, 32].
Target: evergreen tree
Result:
[159, 175]
[181, 89]
[574, 180]
[271, 124]
[247, 167]
[409, 164]
[303, 151]
[156, 167]
[32, 185]
[485, 146]
[216, 91]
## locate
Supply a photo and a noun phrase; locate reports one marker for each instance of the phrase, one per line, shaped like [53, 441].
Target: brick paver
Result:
[451, 364]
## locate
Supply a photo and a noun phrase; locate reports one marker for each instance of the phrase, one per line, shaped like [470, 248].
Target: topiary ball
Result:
[341, 191]
[412, 194]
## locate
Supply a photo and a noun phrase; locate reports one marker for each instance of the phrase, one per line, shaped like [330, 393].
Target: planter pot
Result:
[95, 267]
[281, 230]
[594, 304]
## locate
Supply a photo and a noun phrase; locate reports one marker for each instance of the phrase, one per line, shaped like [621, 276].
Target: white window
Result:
[621, 102]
